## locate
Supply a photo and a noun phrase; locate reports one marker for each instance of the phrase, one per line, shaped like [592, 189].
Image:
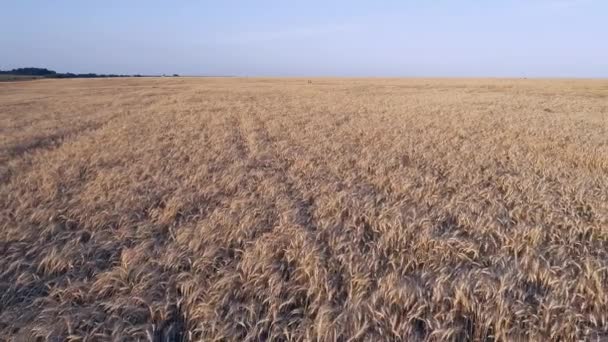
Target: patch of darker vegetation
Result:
[46, 73]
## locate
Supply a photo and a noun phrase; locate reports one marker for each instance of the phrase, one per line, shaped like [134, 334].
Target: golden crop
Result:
[278, 209]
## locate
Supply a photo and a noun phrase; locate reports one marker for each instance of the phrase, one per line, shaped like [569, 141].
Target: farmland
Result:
[14, 78]
[281, 209]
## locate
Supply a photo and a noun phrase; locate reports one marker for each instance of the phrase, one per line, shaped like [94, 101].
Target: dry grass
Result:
[342, 210]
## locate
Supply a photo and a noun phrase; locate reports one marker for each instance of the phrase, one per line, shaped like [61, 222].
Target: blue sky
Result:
[515, 38]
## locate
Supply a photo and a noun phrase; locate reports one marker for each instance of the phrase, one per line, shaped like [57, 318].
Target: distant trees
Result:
[46, 73]
[29, 72]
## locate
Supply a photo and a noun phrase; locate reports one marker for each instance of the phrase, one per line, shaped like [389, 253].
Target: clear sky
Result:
[517, 38]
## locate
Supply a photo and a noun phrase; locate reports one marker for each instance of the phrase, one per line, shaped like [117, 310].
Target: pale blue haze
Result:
[513, 38]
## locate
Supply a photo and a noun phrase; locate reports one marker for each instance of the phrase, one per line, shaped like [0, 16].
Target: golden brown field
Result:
[273, 209]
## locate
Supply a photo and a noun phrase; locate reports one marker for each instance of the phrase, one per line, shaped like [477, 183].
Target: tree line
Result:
[46, 73]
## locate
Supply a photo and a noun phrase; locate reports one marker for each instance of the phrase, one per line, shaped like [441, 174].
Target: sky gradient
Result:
[466, 38]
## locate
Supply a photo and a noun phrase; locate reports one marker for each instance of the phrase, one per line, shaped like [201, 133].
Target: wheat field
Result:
[236, 209]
